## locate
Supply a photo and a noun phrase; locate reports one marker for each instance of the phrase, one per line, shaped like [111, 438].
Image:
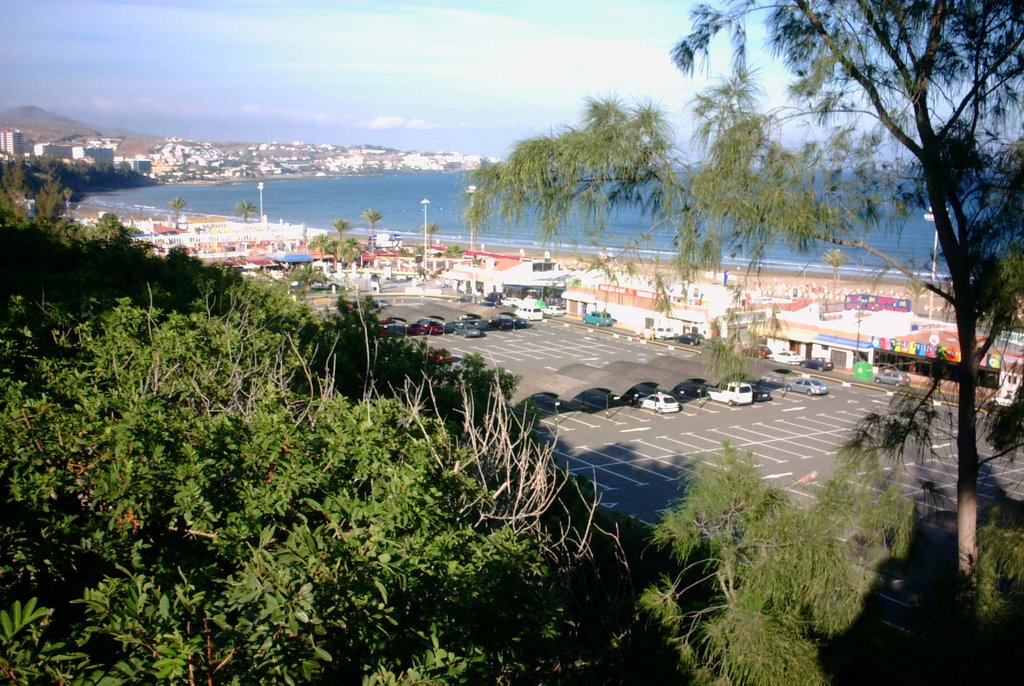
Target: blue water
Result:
[317, 202]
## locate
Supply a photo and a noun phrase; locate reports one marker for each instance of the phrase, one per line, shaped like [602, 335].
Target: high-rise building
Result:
[53, 150]
[12, 142]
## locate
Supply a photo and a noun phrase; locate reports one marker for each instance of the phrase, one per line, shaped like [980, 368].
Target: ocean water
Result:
[317, 202]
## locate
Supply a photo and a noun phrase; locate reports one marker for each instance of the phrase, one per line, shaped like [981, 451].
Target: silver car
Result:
[808, 386]
[891, 375]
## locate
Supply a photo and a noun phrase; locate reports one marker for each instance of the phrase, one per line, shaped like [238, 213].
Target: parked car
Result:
[379, 303]
[786, 357]
[470, 328]
[760, 392]
[393, 326]
[466, 316]
[554, 311]
[660, 333]
[819, 364]
[505, 322]
[762, 352]
[530, 313]
[807, 385]
[732, 394]
[661, 403]
[492, 299]
[598, 319]
[691, 338]
[635, 394]
[426, 327]
[892, 376]
[690, 388]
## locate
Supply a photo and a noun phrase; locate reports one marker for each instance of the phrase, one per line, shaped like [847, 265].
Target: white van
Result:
[662, 332]
[732, 393]
[530, 313]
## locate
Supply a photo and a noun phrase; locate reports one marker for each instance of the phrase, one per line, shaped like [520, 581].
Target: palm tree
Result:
[321, 243]
[176, 205]
[306, 276]
[372, 217]
[430, 230]
[245, 209]
[453, 250]
[349, 249]
[835, 258]
[341, 226]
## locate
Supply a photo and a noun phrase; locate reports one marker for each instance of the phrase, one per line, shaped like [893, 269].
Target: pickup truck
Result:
[732, 393]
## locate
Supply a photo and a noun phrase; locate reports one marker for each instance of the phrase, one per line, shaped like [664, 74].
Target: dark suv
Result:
[691, 338]
[690, 388]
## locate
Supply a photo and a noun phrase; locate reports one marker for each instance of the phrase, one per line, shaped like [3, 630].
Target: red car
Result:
[426, 327]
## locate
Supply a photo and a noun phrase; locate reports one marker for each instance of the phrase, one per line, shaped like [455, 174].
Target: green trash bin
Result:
[863, 371]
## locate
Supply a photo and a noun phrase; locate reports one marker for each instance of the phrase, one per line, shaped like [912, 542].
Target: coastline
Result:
[802, 272]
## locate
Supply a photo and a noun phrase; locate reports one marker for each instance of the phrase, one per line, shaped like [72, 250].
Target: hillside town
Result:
[177, 160]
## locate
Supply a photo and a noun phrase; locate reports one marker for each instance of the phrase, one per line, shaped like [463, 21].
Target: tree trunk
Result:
[967, 465]
[967, 433]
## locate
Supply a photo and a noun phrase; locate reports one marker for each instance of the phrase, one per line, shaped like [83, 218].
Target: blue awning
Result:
[294, 258]
[865, 343]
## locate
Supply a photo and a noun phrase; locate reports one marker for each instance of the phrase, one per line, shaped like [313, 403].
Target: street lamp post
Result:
[472, 219]
[929, 216]
[856, 355]
[260, 187]
[424, 202]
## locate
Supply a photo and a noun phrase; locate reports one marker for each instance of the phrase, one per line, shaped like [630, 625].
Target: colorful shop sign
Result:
[918, 348]
[931, 350]
[876, 303]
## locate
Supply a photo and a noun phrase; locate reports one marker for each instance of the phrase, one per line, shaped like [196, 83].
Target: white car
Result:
[660, 403]
[786, 357]
[553, 311]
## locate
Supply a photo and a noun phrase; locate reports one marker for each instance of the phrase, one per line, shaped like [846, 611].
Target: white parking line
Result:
[631, 464]
[639, 428]
[571, 417]
[777, 476]
[587, 466]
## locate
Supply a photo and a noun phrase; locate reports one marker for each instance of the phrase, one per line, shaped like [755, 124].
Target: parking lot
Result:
[638, 459]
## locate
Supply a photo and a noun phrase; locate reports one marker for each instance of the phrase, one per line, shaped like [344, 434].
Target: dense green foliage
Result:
[205, 481]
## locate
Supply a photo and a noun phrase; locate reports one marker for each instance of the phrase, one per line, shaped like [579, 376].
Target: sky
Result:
[429, 75]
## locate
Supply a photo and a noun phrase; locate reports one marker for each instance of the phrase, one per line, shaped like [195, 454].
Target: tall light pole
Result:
[929, 216]
[260, 187]
[472, 219]
[424, 202]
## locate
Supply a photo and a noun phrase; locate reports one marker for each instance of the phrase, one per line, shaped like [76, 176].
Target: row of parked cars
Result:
[732, 394]
[467, 325]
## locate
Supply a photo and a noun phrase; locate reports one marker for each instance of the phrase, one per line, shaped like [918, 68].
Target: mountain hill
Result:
[42, 126]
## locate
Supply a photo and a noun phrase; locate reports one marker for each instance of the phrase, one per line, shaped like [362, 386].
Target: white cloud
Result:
[386, 122]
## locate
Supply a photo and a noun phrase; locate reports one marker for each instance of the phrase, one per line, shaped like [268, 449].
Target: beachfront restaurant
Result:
[480, 273]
